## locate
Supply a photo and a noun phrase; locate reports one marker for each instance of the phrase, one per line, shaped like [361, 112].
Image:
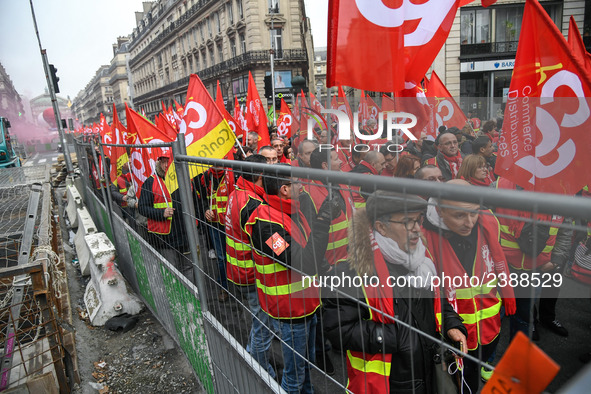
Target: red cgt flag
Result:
[414, 101]
[577, 45]
[545, 136]
[235, 126]
[447, 110]
[256, 118]
[377, 45]
[285, 121]
[118, 154]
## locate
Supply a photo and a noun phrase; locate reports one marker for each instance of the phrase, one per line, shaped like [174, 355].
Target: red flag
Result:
[178, 115]
[447, 111]
[235, 126]
[239, 117]
[547, 118]
[118, 154]
[207, 134]
[413, 100]
[315, 103]
[166, 127]
[284, 123]
[377, 47]
[485, 3]
[577, 45]
[256, 117]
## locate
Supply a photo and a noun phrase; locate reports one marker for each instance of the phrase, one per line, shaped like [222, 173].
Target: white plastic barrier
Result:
[107, 294]
[74, 203]
[85, 226]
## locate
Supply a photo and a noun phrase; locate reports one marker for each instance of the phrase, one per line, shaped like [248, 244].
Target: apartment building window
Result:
[240, 9]
[273, 6]
[277, 42]
[211, 56]
[220, 53]
[209, 27]
[231, 12]
[201, 32]
[475, 26]
[242, 44]
[195, 35]
[233, 47]
[218, 23]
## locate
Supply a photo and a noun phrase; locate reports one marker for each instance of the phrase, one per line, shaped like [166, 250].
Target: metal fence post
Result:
[183, 179]
[106, 171]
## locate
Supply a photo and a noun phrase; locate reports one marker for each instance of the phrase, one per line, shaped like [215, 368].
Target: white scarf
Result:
[416, 262]
[433, 216]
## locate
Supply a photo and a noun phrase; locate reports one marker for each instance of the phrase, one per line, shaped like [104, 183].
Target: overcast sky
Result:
[78, 36]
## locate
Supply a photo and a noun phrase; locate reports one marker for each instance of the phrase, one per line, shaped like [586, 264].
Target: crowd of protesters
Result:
[268, 232]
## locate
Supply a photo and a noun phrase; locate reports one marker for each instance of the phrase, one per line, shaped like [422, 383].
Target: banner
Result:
[545, 138]
[446, 109]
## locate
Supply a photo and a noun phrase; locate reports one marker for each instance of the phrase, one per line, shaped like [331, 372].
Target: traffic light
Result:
[268, 87]
[54, 78]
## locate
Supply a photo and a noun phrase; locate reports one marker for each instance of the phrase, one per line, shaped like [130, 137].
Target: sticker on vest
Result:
[488, 261]
[277, 243]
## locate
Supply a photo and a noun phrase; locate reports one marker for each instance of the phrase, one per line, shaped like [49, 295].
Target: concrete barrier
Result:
[74, 203]
[107, 294]
[85, 226]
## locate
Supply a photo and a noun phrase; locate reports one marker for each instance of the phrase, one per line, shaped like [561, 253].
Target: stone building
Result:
[217, 40]
[119, 77]
[10, 100]
[95, 98]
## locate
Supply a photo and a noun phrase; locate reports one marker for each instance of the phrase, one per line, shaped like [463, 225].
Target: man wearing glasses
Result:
[449, 157]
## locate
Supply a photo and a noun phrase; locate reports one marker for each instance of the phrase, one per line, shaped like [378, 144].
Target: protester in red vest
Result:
[304, 151]
[240, 268]
[286, 247]
[373, 164]
[449, 157]
[385, 244]
[464, 243]
[119, 190]
[165, 223]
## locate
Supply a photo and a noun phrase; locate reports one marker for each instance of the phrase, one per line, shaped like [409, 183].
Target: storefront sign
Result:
[488, 65]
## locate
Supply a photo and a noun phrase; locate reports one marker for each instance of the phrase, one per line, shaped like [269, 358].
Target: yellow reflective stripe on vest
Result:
[337, 244]
[471, 292]
[338, 226]
[509, 244]
[360, 204]
[239, 246]
[373, 366]
[270, 268]
[553, 230]
[473, 318]
[162, 205]
[239, 263]
[505, 229]
[122, 191]
[284, 289]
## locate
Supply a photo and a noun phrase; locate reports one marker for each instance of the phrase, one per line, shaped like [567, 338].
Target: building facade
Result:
[217, 40]
[95, 98]
[119, 77]
[10, 101]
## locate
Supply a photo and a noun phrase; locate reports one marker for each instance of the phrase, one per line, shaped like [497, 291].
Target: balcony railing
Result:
[235, 64]
[488, 49]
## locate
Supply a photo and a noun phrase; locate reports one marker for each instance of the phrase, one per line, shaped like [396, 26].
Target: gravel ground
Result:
[143, 360]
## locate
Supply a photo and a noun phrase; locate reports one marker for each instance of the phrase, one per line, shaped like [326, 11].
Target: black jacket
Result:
[177, 238]
[348, 326]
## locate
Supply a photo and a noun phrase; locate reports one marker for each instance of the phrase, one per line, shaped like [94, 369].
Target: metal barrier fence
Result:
[211, 321]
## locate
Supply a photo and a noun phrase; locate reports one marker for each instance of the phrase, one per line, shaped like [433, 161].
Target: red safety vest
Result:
[282, 292]
[338, 240]
[161, 201]
[511, 229]
[239, 260]
[122, 186]
[370, 373]
[479, 305]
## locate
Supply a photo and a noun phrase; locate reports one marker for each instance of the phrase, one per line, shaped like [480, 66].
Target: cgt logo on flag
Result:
[277, 243]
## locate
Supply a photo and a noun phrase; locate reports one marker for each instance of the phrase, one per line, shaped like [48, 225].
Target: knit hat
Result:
[383, 203]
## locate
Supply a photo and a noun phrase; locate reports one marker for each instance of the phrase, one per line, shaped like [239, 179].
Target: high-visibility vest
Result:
[239, 260]
[161, 201]
[338, 240]
[367, 372]
[219, 200]
[122, 186]
[515, 257]
[478, 306]
[283, 294]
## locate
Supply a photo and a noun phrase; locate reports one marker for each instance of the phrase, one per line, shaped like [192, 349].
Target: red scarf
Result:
[476, 182]
[454, 163]
[371, 168]
[288, 207]
[243, 184]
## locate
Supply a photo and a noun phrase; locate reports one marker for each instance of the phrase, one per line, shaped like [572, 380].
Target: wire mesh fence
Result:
[320, 279]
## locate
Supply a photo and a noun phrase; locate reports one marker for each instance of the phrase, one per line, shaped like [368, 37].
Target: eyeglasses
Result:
[409, 224]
